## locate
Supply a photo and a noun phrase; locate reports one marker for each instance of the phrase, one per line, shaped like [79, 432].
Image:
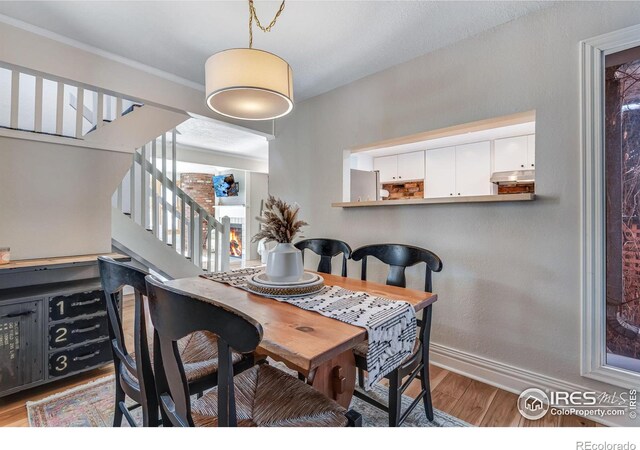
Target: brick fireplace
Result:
[199, 186]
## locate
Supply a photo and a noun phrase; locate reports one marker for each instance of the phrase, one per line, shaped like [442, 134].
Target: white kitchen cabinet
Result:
[440, 172]
[510, 154]
[388, 168]
[398, 168]
[462, 171]
[411, 166]
[531, 151]
[514, 153]
[473, 169]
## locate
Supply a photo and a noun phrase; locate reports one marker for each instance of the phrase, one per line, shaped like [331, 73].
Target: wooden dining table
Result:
[318, 347]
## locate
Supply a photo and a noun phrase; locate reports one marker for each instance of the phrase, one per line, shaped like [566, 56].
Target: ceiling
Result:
[327, 43]
[187, 167]
[220, 136]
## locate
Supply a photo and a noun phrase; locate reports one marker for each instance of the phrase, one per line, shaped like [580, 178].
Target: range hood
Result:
[513, 178]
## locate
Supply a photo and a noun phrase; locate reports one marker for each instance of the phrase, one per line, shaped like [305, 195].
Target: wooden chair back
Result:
[175, 314]
[327, 249]
[115, 276]
[398, 257]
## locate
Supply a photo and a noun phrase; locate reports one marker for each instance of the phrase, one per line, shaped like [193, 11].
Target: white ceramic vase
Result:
[284, 263]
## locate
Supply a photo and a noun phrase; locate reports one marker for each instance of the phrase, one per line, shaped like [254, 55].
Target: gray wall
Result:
[55, 200]
[510, 288]
[258, 190]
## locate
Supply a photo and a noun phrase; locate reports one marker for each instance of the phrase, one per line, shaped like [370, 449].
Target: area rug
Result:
[91, 405]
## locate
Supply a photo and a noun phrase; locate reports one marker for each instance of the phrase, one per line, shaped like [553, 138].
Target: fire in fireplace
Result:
[235, 240]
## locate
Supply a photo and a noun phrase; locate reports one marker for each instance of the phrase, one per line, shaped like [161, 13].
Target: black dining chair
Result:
[399, 257]
[133, 370]
[326, 249]
[260, 396]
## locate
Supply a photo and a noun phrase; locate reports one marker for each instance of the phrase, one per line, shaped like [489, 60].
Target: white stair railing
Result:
[41, 103]
[153, 200]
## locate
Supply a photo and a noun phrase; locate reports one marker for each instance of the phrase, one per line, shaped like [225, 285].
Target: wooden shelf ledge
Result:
[60, 261]
[439, 201]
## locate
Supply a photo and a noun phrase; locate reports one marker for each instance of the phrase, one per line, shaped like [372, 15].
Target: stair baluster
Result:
[203, 239]
[174, 196]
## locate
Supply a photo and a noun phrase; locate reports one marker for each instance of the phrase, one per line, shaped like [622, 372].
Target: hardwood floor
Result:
[472, 401]
[483, 405]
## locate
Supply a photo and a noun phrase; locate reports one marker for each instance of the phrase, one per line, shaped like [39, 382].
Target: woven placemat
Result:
[285, 291]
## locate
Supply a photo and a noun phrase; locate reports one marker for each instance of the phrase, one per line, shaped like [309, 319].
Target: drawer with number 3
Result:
[75, 359]
[65, 334]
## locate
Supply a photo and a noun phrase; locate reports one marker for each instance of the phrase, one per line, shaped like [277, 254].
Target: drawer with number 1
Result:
[75, 305]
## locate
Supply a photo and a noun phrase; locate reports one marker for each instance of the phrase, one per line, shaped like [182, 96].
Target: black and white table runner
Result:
[390, 324]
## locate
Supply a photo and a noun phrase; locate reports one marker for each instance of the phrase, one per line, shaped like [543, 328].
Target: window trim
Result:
[593, 268]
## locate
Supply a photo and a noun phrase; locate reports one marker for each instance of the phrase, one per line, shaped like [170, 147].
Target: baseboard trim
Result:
[502, 376]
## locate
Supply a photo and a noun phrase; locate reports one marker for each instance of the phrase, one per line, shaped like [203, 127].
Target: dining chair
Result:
[134, 374]
[326, 249]
[398, 257]
[260, 396]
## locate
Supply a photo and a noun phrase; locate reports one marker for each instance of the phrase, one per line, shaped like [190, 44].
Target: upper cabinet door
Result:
[531, 151]
[473, 169]
[440, 179]
[388, 167]
[411, 166]
[510, 154]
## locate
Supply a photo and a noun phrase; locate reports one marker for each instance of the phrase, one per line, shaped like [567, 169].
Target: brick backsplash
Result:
[411, 189]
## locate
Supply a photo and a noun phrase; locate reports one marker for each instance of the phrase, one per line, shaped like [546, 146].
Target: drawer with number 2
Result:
[65, 334]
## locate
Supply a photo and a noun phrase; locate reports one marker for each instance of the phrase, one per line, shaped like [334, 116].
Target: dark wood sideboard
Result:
[53, 320]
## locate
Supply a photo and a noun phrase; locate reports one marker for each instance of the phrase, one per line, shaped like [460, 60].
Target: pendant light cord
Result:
[254, 15]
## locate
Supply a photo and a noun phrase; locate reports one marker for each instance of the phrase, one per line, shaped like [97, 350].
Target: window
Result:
[611, 207]
[622, 191]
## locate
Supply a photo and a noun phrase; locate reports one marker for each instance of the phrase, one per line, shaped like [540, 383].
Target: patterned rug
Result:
[91, 405]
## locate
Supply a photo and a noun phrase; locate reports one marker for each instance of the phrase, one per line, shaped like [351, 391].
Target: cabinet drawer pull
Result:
[88, 302]
[20, 314]
[90, 355]
[85, 330]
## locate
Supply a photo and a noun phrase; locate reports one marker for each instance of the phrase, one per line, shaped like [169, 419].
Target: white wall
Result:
[510, 287]
[55, 200]
[361, 161]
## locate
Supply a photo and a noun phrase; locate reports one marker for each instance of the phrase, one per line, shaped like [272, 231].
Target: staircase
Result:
[149, 208]
[38, 106]
[38, 103]
[153, 220]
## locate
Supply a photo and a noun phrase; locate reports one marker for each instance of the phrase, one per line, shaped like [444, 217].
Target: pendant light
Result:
[249, 84]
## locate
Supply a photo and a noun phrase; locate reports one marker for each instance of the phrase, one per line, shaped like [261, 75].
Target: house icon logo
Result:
[533, 404]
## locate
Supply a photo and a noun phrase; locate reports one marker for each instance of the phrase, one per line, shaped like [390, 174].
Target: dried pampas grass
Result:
[279, 222]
